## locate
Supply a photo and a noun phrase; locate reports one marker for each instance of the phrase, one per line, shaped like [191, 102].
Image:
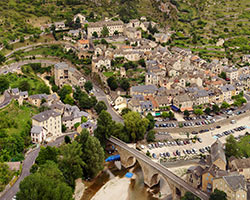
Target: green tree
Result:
[125, 85]
[125, 111]
[142, 62]
[186, 113]
[165, 115]
[2, 58]
[70, 162]
[64, 91]
[171, 115]
[218, 195]
[215, 108]
[88, 86]
[38, 186]
[224, 105]
[42, 88]
[67, 139]
[189, 196]
[208, 110]
[68, 100]
[95, 34]
[4, 84]
[45, 154]
[231, 147]
[100, 106]
[151, 136]
[64, 128]
[135, 125]
[105, 31]
[5, 175]
[24, 85]
[198, 111]
[223, 75]
[151, 123]
[105, 127]
[92, 154]
[112, 83]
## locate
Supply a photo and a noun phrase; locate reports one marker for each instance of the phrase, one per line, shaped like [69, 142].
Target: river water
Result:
[137, 189]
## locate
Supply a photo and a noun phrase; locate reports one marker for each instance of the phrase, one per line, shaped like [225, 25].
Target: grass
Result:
[36, 84]
[20, 116]
[244, 146]
[108, 74]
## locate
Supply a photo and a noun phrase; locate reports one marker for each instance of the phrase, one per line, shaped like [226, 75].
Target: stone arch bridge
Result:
[152, 171]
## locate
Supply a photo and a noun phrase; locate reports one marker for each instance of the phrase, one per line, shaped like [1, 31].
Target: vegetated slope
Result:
[197, 22]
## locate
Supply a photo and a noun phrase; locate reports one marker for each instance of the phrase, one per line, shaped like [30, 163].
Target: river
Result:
[137, 189]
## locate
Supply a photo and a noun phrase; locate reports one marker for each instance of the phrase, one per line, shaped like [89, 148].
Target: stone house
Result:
[83, 44]
[38, 134]
[242, 166]
[228, 91]
[86, 125]
[132, 33]
[100, 63]
[183, 102]
[113, 26]
[194, 176]
[246, 58]
[233, 185]
[144, 90]
[50, 120]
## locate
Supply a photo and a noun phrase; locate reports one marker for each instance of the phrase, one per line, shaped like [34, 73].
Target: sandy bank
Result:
[116, 188]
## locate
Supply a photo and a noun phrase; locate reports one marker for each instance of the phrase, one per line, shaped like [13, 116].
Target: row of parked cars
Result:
[198, 117]
[165, 125]
[172, 143]
[184, 152]
[232, 131]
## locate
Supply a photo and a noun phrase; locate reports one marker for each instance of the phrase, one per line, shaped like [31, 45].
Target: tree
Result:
[5, 175]
[165, 115]
[208, 110]
[135, 126]
[64, 128]
[116, 32]
[223, 75]
[171, 115]
[151, 136]
[24, 85]
[105, 31]
[215, 108]
[88, 86]
[92, 154]
[45, 154]
[189, 196]
[100, 106]
[125, 111]
[64, 91]
[224, 105]
[231, 147]
[95, 34]
[67, 139]
[105, 127]
[151, 123]
[125, 85]
[70, 162]
[198, 111]
[43, 89]
[39, 186]
[69, 100]
[4, 84]
[218, 195]
[22, 39]
[186, 113]
[112, 83]
[2, 58]
[142, 62]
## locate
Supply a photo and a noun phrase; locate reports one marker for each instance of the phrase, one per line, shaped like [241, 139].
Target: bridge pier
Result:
[126, 159]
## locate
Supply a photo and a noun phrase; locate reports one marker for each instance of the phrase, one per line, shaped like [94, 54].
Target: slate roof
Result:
[43, 116]
[217, 152]
[36, 129]
[235, 182]
[25, 93]
[39, 96]
[15, 90]
[144, 88]
[226, 88]
[242, 163]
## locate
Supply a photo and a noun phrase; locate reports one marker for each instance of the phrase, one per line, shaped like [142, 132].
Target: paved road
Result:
[27, 163]
[15, 66]
[101, 96]
[7, 99]
[202, 195]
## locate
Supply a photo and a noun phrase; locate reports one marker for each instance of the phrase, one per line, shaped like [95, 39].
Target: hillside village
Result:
[158, 78]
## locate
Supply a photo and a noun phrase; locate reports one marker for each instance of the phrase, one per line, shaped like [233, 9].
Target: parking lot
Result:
[180, 147]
